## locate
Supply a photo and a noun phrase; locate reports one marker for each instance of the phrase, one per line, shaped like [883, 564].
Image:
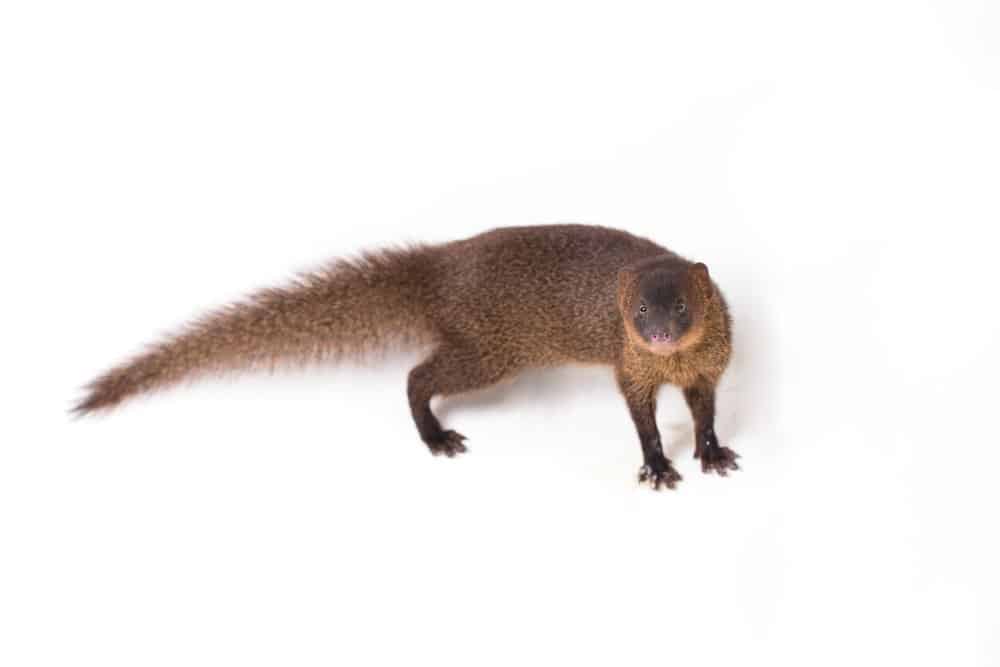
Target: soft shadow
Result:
[747, 399]
[534, 386]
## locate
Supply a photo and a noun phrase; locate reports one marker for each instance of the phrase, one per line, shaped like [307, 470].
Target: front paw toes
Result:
[659, 476]
[719, 459]
[449, 444]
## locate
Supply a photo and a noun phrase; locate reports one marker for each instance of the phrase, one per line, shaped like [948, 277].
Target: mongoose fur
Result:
[490, 306]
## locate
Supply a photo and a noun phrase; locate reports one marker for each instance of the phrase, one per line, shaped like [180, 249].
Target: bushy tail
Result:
[347, 309]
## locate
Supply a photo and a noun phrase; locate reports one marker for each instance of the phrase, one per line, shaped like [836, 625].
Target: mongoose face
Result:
[666, 307]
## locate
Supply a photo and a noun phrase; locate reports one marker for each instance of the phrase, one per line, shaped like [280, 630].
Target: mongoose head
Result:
[663, 303]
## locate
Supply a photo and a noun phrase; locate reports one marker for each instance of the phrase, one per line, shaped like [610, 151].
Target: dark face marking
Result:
[661, 313]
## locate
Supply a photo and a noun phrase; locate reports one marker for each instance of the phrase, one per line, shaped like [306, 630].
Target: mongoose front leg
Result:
[700, 398]
[657, 470]
[451, 369]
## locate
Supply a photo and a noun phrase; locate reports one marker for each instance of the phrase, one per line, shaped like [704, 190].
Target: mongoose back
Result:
[488, 306]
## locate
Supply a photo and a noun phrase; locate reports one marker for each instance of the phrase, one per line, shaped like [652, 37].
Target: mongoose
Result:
[490, 306]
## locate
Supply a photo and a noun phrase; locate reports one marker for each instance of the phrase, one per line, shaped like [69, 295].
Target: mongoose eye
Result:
[680, 307]
[642, 309]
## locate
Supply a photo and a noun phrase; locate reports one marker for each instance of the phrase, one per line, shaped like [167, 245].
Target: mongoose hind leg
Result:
[451, 369]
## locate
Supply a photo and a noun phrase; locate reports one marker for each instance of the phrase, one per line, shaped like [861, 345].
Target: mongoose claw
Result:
[659, 475]
[449, 444]
[718, 459]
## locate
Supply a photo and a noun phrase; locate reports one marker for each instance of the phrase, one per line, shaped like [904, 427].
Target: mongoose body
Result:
[488, 306]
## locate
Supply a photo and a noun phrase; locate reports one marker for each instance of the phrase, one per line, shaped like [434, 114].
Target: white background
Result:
[835, 164]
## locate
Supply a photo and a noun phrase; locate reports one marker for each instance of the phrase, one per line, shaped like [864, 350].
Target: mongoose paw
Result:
[449, 443]
[660, 474]
[718, 459]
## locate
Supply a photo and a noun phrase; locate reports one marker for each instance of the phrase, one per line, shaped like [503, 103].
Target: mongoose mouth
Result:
[663, 346]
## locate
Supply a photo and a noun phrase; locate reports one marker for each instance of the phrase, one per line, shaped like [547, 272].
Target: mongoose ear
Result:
[627, 278]
[698, 275]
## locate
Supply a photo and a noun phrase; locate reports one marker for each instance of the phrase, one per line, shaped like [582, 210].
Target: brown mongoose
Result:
[490, 306]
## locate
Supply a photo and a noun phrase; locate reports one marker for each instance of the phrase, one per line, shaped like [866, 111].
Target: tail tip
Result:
[90, 405]
[96, 401]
